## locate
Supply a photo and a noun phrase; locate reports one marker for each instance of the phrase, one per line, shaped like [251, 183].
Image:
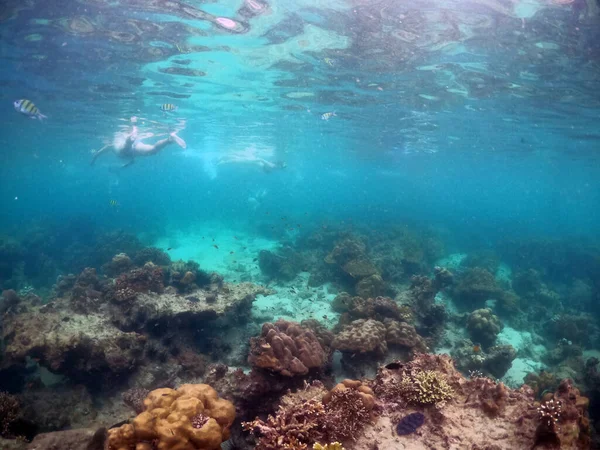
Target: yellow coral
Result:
[332, 446]
[192, 417]
[426, 388]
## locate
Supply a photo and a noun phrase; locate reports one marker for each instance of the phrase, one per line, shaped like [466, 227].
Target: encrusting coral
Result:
[192, 417]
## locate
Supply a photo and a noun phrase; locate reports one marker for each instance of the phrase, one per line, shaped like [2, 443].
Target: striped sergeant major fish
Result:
[27, 108]
[168, 107]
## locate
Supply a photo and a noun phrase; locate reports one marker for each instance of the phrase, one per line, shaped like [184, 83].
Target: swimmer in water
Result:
[249, 157]
[129, 145]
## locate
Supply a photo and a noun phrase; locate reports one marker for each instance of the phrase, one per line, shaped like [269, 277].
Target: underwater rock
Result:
[499, 360]
[474, 287]
[342, 302]
[481, 412]
[567, 425]
[485, 259]
[152, 310]
[119, 264]
[370, 287]
[151, 254]
[495, 361]
[483, 327]
[577, 329]
[145, 279]
[284, 266]
[9, 299]
[79, 439]
[288, 349]
[360, 268]
[527, 283]
[541, 382]
[13, 444]
[98, 344]
[346, 250]
[58, 407]
[66, 342]
[10, 410]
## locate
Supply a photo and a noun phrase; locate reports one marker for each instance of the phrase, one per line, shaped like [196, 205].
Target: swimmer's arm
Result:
[98, 153]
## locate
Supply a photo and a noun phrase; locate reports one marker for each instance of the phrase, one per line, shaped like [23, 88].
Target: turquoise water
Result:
[473, 121]
[476, 117]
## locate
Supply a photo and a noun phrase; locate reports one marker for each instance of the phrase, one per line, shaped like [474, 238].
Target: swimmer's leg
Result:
[97, 153]
[128, 163]
[178, 140]
[142, 149]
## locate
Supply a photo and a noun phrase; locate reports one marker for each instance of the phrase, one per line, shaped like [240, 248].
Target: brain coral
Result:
[192, 417]
[287, 348]
[362, 336]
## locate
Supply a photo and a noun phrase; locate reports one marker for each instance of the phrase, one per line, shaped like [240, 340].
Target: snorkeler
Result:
[250, 158]
[128, 146]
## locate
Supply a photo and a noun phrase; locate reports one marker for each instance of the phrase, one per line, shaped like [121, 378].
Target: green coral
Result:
[426, 387]
[332, 446]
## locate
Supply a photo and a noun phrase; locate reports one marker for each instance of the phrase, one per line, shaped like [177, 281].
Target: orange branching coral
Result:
[192, 417]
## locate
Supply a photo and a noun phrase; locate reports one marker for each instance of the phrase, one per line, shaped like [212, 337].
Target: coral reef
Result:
[474, 287]
[494, 361]
[288, 349]
[119, 263]
[283, 266]
[153, 255]
[362, 336]
[313, 415]
[425, 388]
[483, 327]
[9, 412]
[92, 338]
[193, 417]
[482, 411]
[9, 300]
[348, 408]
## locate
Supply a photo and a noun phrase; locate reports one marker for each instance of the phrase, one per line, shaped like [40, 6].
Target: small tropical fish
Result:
[216, 246]
[476, 348]
[169, 249]
[231, 253]
[113, 203]
[328, 115]
[168, 107]
[27, 108]
[328, 61]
